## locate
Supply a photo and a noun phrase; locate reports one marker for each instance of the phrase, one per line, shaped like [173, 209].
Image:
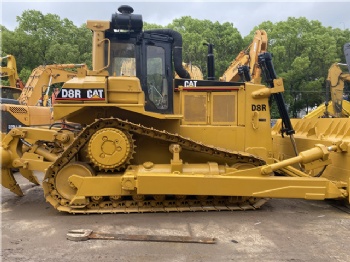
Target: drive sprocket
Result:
[110, 149]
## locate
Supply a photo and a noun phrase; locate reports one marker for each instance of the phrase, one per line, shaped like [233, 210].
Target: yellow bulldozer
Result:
[150, 142]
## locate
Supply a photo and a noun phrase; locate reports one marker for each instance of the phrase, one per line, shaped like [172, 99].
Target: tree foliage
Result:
[303, 50]
[225, 37]
[195, 33]
[45, 39]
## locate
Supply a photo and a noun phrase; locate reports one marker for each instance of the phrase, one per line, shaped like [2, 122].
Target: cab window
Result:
[157, 86]
[122, 62]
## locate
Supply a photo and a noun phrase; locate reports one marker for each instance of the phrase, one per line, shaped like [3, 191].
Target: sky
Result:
[244, 15]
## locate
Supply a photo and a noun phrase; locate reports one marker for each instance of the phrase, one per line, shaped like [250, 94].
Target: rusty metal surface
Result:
[86, 234]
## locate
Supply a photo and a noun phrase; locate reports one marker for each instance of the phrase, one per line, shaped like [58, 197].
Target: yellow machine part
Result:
[42, 77]
[31, 105]
[308, 132]
[193, 70]
[248, 57]
[30, 115]
[320, 110]
[75, 187]
[10, 71]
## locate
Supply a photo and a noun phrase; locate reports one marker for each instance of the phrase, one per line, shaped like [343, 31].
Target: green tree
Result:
[303, 51]
[45, 39]
[225, 37]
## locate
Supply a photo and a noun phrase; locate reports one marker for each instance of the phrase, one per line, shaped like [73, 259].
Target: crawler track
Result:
[108, 204]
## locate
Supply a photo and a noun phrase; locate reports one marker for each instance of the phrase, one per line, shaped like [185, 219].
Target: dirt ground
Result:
[282, 230]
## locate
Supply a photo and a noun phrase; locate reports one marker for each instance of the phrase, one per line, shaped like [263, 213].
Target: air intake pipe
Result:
[177, 49]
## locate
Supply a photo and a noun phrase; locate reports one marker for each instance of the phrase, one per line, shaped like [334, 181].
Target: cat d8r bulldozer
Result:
[150, 142]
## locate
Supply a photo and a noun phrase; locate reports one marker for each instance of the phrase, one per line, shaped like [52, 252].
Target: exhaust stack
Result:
[210, 61]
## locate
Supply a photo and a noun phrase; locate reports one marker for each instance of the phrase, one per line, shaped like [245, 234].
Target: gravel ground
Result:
[282, 230]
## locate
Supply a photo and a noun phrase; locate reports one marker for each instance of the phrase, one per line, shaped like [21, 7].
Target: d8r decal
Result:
[259, 107]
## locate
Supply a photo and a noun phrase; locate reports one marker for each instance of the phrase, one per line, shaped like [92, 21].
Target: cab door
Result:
[157, 76]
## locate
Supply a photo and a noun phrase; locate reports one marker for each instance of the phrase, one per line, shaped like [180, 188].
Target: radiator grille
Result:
[224, 108]
[195, 108]
[18, 110]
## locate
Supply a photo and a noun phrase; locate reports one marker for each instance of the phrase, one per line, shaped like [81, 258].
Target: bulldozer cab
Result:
[147, 56]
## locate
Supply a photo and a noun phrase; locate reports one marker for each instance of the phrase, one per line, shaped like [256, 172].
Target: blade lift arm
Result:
[269, 74]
